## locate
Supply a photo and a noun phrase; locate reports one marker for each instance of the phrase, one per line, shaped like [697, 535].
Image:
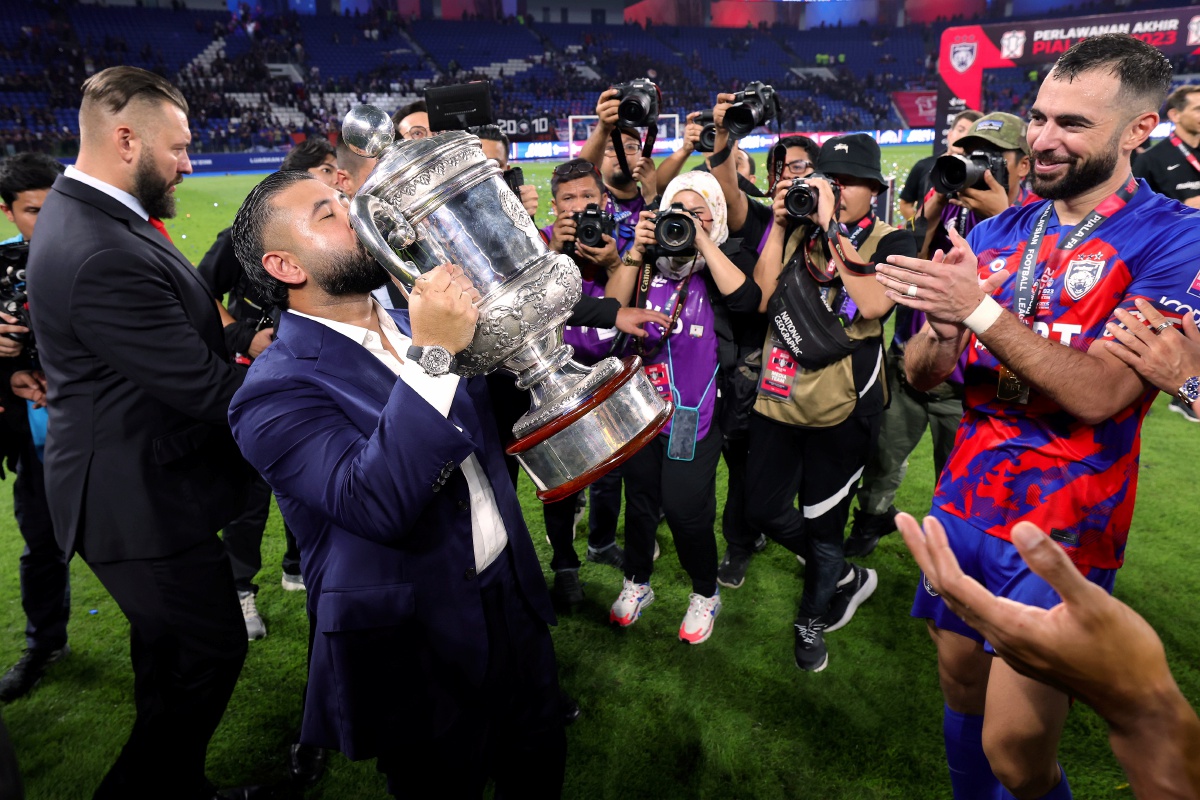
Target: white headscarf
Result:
[705, 185]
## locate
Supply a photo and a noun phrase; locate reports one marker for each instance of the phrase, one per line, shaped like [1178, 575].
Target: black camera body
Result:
[515, 178]
[802, 198]
[639, 102]
[708, 136]
[591, 226]
[953, 173]
[674, 232]
[14, 300]
[752, 106]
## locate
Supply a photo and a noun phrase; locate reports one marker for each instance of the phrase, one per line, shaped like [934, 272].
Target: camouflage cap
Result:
[998, 129]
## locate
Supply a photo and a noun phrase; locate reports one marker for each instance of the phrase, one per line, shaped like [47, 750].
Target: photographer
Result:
[412, 120]
[592, 332]
[916, 185]
[25, 180]
[633, 190]
[495, 146]
[995, 136]
[823, 387]
[698, 136]
[698, 285]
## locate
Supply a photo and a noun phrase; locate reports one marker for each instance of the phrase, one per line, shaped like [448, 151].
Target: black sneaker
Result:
[612, 556]
[811, 653]
[867, 530]
[852, 591]
[28, 671]
[567, 590]
[1184, 409]
[731, 572]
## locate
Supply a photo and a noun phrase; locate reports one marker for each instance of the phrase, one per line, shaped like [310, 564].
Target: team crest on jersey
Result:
[928, 586]
[962, 55]
[1082, 275]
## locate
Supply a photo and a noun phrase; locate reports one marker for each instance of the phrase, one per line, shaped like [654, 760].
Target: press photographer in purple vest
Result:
[997, 142]
[592, 332]
[823, 386]
[697, 287]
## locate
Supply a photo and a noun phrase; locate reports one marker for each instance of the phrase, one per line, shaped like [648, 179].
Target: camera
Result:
[751, 107]
[515, 178]
[802, 198]
[674, 232]
[708, 136]
[639, 103]
[13, 299]
[591, 225]
[953, 173]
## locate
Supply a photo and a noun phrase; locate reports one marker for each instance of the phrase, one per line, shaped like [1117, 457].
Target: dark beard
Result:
[1081, 176]
[353, 272]
[619, 177]
[151, 191]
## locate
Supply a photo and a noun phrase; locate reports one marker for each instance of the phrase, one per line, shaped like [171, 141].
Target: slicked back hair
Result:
[1143, 71]
[114, 88]
[250, 228]
[1178, 99]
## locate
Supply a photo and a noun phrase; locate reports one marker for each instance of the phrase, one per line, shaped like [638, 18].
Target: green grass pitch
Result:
[732, 718]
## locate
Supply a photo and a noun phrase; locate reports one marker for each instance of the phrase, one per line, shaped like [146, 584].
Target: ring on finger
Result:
[911, 291]
[1160, 327]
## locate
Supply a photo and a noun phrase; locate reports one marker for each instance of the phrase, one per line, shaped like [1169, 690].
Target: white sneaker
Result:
[293, 583]
[698, 621]
[255, 627]
[633, 598]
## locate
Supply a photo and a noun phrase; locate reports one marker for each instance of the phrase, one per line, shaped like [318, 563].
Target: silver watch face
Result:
[1190, 391]
[436, 360]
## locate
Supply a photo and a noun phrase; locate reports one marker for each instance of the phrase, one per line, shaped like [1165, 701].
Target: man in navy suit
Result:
[432, 650]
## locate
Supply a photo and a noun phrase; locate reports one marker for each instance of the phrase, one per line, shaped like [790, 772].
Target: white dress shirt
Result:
[488, 534]
[120, 195]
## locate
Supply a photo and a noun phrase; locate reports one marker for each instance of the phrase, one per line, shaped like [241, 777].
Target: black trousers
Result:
[243, 539]
[686, 491]
[604, 508]
[821, 466]
[187, 645]
[45, 576]
[509, 729]
[739, 534]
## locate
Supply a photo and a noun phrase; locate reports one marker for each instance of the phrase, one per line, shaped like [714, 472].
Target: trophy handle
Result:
[383, 230]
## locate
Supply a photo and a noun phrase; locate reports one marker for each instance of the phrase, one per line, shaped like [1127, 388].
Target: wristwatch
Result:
[434, 359]
[1190, 391]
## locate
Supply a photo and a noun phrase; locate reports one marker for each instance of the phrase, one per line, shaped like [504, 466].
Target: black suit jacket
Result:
[139, 459]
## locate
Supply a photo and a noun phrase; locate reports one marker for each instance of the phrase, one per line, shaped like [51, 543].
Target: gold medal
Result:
[1010, 388]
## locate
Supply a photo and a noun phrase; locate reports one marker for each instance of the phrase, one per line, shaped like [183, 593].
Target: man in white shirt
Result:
[432, 651]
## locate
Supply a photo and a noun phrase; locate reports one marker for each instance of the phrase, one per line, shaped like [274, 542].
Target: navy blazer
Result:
[367, 476]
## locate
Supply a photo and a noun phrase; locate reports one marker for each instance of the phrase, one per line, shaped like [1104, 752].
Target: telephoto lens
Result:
[639, 103]
[952, 173]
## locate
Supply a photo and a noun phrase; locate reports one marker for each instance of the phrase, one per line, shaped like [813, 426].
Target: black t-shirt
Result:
[1168, 172]
[754, 230]
[223, 273]
[917, 184]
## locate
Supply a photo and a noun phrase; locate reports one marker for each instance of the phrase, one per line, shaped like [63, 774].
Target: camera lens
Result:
[708, 139]
[800, 200]
[675, 233]
[589, 233]
[634, 109]
[742, 118]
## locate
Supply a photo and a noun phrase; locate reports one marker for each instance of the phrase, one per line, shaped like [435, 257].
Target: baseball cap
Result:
[855, 154]
[997, 129]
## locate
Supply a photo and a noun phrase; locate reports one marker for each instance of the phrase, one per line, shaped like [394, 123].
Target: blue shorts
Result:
[997, 565]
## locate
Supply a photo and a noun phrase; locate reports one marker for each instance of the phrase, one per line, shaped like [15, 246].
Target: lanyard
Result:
[861, 231]
[1029, 258]
[1186, 151]
[681, 293]
[675, 391]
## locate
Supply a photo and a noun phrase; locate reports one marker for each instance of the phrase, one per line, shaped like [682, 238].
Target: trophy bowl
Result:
[440, 200]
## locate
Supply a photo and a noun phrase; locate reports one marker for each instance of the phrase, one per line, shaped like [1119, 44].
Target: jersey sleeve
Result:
[1168, 273]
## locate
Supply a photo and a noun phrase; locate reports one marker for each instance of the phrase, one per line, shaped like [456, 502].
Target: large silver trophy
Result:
[437, 200]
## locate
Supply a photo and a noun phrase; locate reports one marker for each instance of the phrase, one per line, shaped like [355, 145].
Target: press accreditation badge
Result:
[1010, 388]
[660, 377]
[777, 374]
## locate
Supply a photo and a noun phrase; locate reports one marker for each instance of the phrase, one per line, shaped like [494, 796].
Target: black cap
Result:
[855, 154]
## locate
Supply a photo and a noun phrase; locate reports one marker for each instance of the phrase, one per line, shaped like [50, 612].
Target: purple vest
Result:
[683, 368]
[591, 344]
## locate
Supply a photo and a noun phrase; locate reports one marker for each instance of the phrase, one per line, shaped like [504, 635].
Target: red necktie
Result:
[158, 224]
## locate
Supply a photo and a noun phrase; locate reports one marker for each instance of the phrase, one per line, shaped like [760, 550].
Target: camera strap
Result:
[647, 146]
[1187, 153]
[681, 295]
[1027, 289]
[856, 236]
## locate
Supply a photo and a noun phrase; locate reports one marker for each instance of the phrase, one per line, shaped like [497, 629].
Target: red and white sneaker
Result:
[633, 598]
[701, 615]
